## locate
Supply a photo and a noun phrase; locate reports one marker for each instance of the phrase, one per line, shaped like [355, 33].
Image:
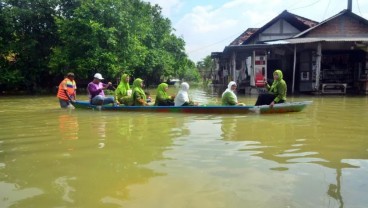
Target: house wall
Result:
[344, 26]
[341, 62]
[280, 30]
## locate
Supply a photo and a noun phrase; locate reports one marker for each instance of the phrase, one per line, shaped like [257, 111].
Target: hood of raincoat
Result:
[123, 86]
[138, 88]
[161, 93]
[276, 82]
[161, 90]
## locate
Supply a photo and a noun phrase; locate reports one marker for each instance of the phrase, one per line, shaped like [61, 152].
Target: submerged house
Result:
[326, 57]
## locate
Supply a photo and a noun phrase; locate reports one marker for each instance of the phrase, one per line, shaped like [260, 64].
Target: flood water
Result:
[83, 158]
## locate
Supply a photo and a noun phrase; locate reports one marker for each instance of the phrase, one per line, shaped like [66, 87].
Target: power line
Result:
[237, 34]
[328, 6]
[233, 36]
[293, 5]
[359, 8]
[309, 5]
[212, 44]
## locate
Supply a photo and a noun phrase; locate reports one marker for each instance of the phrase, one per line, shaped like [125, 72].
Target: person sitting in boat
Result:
[277, 91]
[162, 98]
[182, 98]
[229, 97]
[123, 93]
[138, 95]
[96, 89]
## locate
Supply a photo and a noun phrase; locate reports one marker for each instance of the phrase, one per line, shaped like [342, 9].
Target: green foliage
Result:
[28, 32]
[190, 73]
[205, 67]
[50, 38]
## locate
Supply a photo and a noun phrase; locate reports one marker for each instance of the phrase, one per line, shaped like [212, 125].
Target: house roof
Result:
[302, 37]
[313, 40]
[298, 22]
[343, 12]
[244, 36]
[240, 42]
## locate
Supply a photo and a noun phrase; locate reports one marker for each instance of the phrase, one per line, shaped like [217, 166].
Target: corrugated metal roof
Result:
[311, 40]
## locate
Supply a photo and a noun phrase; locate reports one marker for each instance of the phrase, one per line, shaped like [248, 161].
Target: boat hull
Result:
[264, 109]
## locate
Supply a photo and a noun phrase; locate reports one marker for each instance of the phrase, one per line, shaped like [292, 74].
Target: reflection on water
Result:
[64, 187]
[327, 139]
[68, 125]
[55, 158]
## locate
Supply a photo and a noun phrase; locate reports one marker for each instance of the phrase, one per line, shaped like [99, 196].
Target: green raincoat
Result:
[228, 99]
[228, 96]
[138, 95]
[121, 92]
[162, 98]
[278, 87]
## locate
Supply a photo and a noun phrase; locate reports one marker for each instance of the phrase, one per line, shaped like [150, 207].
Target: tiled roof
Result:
[308, 22]
[244, 36]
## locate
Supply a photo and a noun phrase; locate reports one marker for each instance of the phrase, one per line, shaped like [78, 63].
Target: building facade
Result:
[326, 57]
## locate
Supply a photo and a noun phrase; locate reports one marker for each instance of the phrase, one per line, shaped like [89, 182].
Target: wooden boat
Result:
[264, 109]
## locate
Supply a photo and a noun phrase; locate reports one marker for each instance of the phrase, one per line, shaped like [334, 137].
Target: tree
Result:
[28, 33]
[114, 36]
[205, 67]
[44, 39]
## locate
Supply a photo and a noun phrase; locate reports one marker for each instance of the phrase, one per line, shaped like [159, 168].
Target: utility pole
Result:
[350, 5]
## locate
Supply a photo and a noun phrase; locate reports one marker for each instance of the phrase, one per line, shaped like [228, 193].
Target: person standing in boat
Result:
[138, 95]
[277, 91]
[123, 93]
[182, 98]
[229, 97]
[162, 98]
[67, 91]
[96, 89]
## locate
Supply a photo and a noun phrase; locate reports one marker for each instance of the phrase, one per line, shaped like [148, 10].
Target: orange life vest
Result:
[69, 86]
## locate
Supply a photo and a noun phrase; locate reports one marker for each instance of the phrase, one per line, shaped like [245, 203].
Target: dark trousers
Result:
[188, 104]
[266, 99]
[166, 103]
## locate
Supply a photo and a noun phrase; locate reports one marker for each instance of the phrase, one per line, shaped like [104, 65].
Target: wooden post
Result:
[318, 65]
[234, 66]
[266, 60]
[217, 68]
[252, 74]
[294, 68]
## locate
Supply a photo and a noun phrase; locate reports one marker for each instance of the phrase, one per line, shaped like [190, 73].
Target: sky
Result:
[209, 25]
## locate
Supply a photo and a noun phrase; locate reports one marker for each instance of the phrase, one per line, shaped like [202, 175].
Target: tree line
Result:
[42, 40]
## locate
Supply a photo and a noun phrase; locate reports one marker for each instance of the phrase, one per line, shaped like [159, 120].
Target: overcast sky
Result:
[210, 25]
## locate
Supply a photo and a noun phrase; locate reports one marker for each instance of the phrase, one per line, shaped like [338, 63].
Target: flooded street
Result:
[83, 158]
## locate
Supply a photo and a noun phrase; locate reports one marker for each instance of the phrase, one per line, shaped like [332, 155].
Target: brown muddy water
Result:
[82, 158]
